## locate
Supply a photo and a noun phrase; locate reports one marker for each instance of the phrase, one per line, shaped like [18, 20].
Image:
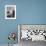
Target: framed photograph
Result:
[10, 11]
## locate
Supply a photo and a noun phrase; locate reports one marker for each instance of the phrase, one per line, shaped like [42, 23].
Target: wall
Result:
[6, 26]
[27, 12]
[31, 11]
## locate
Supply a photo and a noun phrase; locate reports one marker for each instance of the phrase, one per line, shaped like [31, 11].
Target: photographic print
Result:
[10, 11]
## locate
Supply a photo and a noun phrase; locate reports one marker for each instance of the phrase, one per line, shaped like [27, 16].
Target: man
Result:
[11, 13]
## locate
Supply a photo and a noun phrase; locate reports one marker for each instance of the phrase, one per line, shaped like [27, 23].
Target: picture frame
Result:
[10, 11]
